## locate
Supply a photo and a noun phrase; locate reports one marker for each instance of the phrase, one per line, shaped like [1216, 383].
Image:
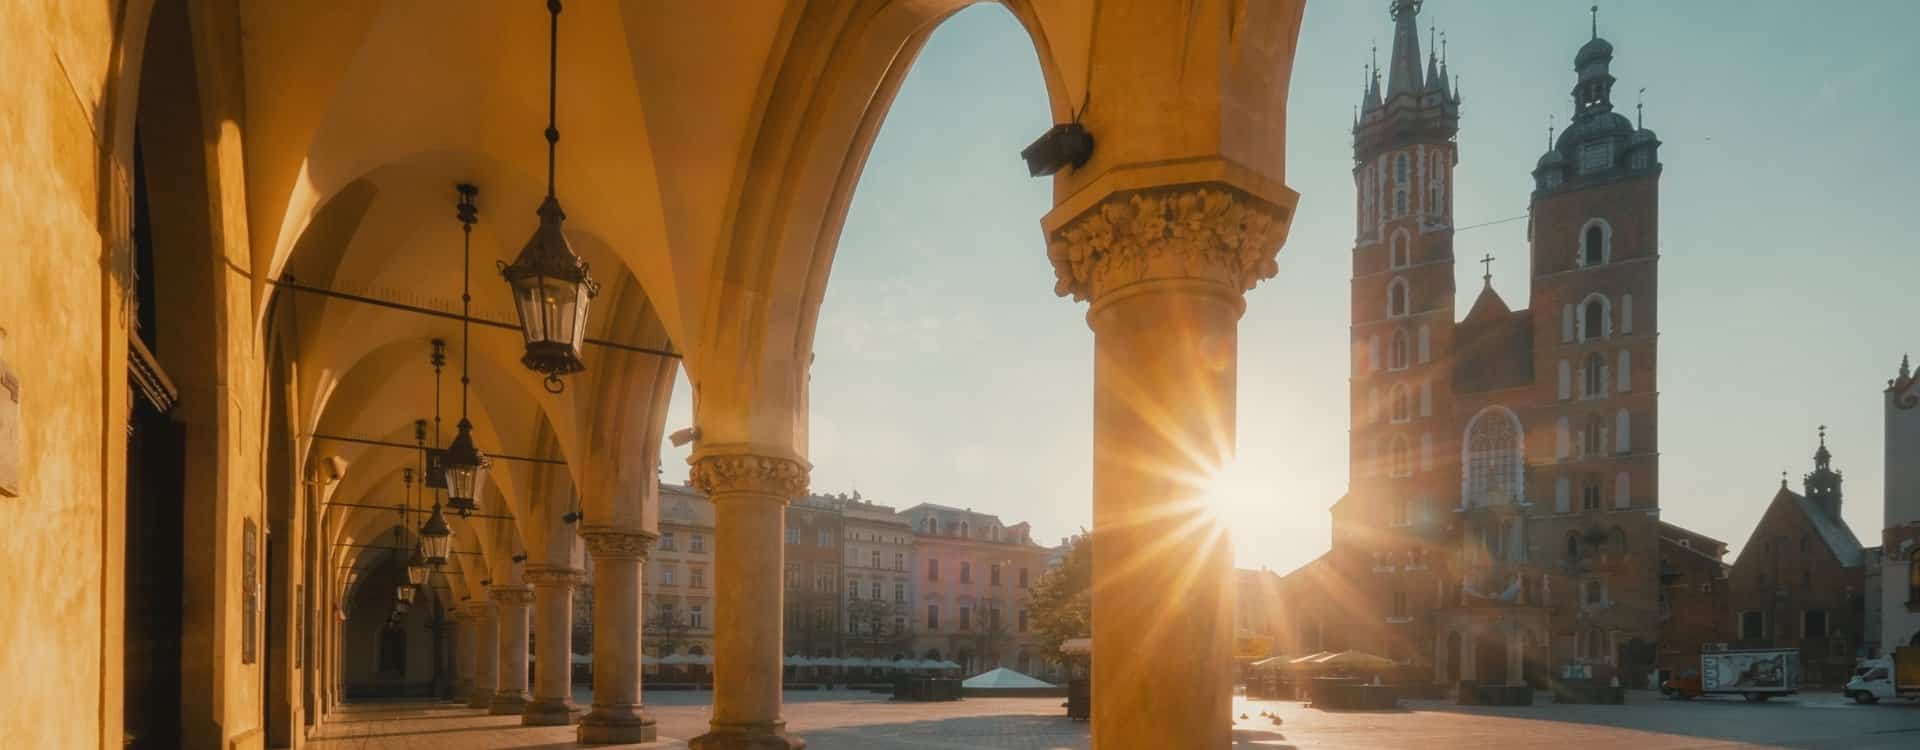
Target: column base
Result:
[504, 704]
[479, 698]
[548, 713]
[765, 735]
[610, 725]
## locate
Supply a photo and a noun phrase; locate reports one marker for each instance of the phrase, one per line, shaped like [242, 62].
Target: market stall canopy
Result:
[1356, 660]
[1003, 679]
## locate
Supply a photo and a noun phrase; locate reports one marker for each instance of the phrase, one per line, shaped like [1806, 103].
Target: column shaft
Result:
[552, 702]
[1166, 268]
[1163, 424]
[514, 606]
[486, 665]
[617, 715]
[750, 494]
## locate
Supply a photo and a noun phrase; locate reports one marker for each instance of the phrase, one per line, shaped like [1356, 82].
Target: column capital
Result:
[1210, 232]
[722, 471]
[542, 576]
[476, 610]
[505, 595]
[610, 543]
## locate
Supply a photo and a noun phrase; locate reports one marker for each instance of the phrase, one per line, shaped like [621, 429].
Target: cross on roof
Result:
[1488, 262]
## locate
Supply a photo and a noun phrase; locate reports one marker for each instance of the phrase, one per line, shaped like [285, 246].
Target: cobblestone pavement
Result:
[843, 719]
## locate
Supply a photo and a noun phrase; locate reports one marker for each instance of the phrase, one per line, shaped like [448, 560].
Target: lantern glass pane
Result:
[559, 300]
[581, 297]
[416, 575]
[460, 481]
[527, 300]
[436, 547]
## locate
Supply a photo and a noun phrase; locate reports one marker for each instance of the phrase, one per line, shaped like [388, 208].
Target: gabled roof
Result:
[1487, 307]
[1833, 531]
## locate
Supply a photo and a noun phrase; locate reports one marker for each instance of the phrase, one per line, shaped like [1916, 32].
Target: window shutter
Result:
[1562, 495]
[1622, 440]
[1426, 399]
[1626, 313]
[1426, 351]
[1566, 380]
[1560, 439]
[1566, 323]
[1626, 371]
[1622, 490]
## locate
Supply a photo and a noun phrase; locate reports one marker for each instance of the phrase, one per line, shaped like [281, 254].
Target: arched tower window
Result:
[1596, 243]
[1437, 185]
[1400, 456]
[1399, 255]
[1492, 455]
[1593, 436]
[1400, 403]
[1594, 312]
[1397, 298]
[1397, 351]
[1594, 376]
[1402, 174]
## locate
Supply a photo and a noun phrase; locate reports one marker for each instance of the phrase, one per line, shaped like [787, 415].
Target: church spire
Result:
[1403, 68]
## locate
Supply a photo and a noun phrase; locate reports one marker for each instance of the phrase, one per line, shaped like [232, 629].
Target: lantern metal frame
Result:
[552, 287]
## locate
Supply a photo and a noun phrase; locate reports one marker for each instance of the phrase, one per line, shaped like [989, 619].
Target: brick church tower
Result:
[1502, 516]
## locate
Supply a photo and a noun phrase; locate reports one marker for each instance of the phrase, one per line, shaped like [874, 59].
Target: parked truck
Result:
[1894, 676]
[1755, 674]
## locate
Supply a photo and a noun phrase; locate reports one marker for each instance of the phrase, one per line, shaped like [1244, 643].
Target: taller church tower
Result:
[1404, 152]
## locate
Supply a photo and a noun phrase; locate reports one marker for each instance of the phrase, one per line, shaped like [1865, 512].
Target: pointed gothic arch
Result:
[1493, 452]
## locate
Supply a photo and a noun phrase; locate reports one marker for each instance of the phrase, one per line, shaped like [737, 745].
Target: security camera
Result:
[684, 435]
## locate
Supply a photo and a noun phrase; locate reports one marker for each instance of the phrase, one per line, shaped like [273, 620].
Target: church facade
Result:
[1502, 516]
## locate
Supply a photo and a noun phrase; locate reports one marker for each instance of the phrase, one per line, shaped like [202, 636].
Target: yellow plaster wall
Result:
[54, 307]
[62, 259]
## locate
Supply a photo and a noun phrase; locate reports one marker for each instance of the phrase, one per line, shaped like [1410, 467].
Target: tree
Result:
[667, 630]
[1063, 599]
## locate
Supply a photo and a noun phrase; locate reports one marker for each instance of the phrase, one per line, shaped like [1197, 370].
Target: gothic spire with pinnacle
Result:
[1403, 68]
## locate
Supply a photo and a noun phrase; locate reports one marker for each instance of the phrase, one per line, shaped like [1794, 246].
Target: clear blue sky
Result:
[948, 372]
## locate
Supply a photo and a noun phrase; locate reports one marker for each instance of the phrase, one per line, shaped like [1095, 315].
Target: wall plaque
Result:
[250, 594]
[10, 432]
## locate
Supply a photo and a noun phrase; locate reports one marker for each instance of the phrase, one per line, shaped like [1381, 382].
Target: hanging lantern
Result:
[551, 286]
[466, 471]
[436, 538]
[551, 292]
[403, 594]
[416, 567]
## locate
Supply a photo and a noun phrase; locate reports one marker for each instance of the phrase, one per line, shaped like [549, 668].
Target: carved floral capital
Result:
[1206, 231]
[519, 595]
[610, 544]
[746, 473]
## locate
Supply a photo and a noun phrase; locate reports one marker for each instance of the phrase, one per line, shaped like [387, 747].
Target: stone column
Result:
[463, 630]
[552, 703]
[486, 641]
[1516, 658]
[512, 605]
[1469, 653]
[1440, 656]
[618, 556]
[750, 493]
[1166, 270]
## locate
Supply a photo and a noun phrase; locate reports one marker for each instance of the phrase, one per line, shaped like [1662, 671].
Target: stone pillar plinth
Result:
[513, 604]
[1166, 270]
[750, 492]
[486, 646]
[618, 556]
[552, 702]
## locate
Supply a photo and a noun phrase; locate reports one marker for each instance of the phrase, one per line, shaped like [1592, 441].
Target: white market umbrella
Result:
[1003, 679]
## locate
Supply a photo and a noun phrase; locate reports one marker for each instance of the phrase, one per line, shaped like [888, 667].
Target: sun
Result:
[1236, 495]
